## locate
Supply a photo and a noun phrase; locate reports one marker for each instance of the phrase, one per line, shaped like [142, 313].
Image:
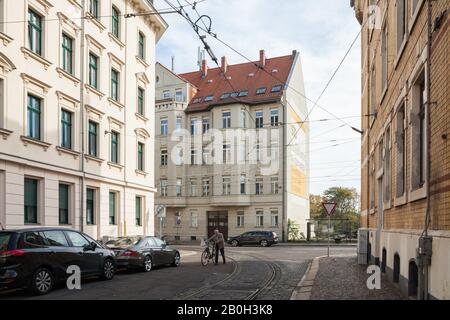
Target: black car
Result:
[143, 253]
[39, 258]
[262, 238]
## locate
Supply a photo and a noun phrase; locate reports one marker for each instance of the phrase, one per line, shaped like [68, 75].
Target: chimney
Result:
[204, 68]
[262, 58]
[294, 53]
[224, 64]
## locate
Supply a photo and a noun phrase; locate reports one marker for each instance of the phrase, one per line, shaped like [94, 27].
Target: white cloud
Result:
[321, 30]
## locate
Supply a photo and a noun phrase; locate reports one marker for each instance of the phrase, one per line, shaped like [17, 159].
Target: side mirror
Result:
[166, 242]
[91, 247]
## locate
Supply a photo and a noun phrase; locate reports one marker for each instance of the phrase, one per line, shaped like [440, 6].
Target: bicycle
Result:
[209, 253]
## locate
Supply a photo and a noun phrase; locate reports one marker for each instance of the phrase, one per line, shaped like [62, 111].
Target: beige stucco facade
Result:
[25, 72]
[237, 211]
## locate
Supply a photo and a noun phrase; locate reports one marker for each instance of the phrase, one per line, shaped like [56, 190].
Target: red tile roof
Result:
[215, 84]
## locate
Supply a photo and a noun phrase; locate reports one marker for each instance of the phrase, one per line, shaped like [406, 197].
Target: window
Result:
[205, 187]
[141, 157]
[179, 96]
[194, 126]
[115, 22]
[93, 128]
[55, 238]
[163, 184]
[197, 100]
[114, 85]
[209, 98]
[260, 218]
[373, 92]
[259, 119]
[141, 101]
[274, 117]
[35, 32]
[240, 220]
[274, 218]
[166, 94]
[112, 208]
[179, 187]
[94, 8]
[384, 57]
[387, 165]
[164, 158]
[34, 117]
[141, 46]
[67, 53]
[194, 220]
[138, 208]
[226, 153]
[226, 186]
[243, 185]
[164, 127]
[261, 91]
[93, 70]
[31, 201]
[77, 239]
[401, 157]
[274, 185]
[114, 147]
[226, 116]
[259, 186]
[419, 133]
[179, 156]
[205, 156]
[274, 152]
[401, 23]
[90, 206]
[243, 93]
[371, 182]
[243, 152]
[225, 96]
[276, 88]
[179, 123]
[63, 204]
[194, 157]
[2, 16]
[193, 188]
[205, 124]
[243, 119]
[259, 153]
[66, 129]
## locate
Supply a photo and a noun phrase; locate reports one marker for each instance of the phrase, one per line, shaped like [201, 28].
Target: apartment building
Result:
[220, 137]
[77, 115]
[405, 149]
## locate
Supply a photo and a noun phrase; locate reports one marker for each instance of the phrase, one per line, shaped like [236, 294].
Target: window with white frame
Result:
[387, 165]
[373, 94]
[226, 153]
[163, 187]
[205, 124]
[179, 123]
[226, 119]
[164, 157]
[194, 220]
[193, 187]
[226, 186]
[194, 156]
[243, 152]
[206, 156]
[259, 186]
[205, 187]
[240, 219]
[179, 187]
[371, 182]
[179, 96]
[274, 185]
[259, 218]
[419, 133]
[195, 126]
[243, 119]
[179, 156]
[2, 103]
[35, 32]
[274, 152]
[259, 119]
[166, 94]
[274, 117]
[164, 127]
[243, 185]
[274, 218]
[384, 56]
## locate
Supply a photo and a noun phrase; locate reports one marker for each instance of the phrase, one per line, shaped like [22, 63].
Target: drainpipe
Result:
[285, 233]
[82, 58]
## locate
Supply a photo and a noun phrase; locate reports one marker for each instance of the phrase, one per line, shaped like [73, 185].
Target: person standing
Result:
[219, 243]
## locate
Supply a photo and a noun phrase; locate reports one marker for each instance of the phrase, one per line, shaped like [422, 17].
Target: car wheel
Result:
[264, 243]
[235, 243]
[109, 270]
[176, 260]
[42, 281]
[148, 264]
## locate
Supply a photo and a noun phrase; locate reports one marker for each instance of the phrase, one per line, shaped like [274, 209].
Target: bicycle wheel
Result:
[205, 258]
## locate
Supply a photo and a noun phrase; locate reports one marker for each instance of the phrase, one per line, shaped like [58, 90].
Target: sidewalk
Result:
[341, 278]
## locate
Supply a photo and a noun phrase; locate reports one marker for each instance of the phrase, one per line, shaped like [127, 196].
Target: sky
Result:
[322, 31]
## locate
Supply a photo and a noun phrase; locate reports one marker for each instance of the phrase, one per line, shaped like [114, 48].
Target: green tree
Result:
[347, 200]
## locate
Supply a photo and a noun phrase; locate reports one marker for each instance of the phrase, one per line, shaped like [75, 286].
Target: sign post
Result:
[161, 214]
[330, 208]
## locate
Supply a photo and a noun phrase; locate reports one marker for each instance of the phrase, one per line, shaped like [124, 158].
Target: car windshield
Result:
[123, 243]
[4, 240]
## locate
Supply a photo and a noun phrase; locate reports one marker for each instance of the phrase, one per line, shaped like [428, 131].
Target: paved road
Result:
[252, 273]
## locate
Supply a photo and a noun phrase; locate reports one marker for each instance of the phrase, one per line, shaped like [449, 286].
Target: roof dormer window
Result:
[261, 90]
[277, 88]
[209, 98]
[197, 100]
[225, 96]
[243, 93]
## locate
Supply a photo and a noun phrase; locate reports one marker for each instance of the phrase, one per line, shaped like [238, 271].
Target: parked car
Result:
[143, 253]
[262, 238]
[38, 258]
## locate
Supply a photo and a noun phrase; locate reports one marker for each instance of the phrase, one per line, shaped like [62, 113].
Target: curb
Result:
[304, 288]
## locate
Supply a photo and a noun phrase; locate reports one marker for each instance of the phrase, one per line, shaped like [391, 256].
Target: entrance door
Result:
[219, 220]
